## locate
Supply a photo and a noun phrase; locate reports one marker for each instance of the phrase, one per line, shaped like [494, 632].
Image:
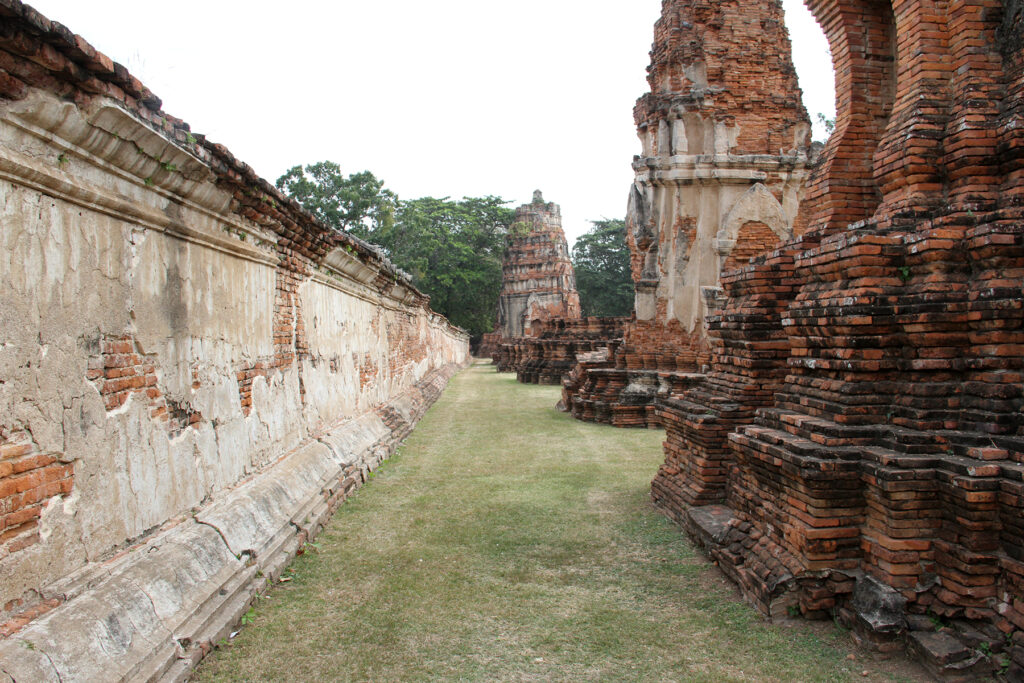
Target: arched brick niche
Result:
[861, 35]
[922, 121]
[755, 238]
[753, 226]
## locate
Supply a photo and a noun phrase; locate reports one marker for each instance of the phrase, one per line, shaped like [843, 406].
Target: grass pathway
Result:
[507, 542]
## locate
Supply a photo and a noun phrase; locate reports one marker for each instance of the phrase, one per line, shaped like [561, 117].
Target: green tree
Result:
[453, 250]
[600, 258]
[828, 124]
[358, 204]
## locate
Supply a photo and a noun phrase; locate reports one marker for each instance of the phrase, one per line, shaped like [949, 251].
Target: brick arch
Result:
[753, 239]
[757, 205]
[908, 141]
[861, 36]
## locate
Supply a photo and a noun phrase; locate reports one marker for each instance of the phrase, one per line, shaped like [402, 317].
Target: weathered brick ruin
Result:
[539, 291]
[490, 344]
[857, 447]
[725, 157]
[194, 372]
[551, 354]
[538, 282]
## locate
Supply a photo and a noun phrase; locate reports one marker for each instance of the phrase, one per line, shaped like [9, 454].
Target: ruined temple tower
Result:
[856, 447]
[538, 282]
[725, 140]
[725, 144]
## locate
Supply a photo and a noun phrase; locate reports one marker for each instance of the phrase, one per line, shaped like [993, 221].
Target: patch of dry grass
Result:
[507, 542]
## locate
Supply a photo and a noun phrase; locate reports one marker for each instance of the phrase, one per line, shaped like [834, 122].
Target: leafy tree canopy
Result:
[452, 249]
[600, 258]
[359, 204]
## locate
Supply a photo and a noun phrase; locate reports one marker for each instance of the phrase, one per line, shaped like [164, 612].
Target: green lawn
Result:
[507, 542]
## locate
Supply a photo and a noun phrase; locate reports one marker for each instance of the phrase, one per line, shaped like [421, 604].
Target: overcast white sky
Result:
[445, 98]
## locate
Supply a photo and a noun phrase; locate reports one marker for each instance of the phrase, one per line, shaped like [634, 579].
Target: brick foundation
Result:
[550, 355]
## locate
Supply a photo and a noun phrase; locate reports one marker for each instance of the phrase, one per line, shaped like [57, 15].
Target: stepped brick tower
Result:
[538, 282]
[857, 448]
[725, 158]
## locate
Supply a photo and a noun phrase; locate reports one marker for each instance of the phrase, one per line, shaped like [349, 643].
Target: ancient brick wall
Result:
[857, 446]
[538, 282]
[178, 342]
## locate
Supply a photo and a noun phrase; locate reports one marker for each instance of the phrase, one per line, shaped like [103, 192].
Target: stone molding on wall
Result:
[154, 610]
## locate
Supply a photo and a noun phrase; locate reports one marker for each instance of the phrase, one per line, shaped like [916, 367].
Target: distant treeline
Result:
[453, 249]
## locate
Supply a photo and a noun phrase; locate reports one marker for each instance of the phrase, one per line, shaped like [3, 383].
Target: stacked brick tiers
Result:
[858, 445]
[551, 355]
[725, 158]
[620, 387]
[538, 282]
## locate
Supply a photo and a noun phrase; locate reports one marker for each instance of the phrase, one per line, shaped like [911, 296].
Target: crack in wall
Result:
[223, 539]
[56, 671]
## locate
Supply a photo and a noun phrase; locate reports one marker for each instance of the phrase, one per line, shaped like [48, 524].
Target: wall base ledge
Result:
[151, 614]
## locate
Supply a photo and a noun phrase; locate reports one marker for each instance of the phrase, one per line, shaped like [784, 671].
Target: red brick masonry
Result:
[858, 445]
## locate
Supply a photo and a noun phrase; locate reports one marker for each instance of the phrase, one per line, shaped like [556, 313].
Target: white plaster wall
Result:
[70, 275]
[687, 188]
[346, 333]
[89, 249]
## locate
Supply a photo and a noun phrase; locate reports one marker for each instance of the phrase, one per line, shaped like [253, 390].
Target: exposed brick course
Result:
[29, 480]
[121, 369]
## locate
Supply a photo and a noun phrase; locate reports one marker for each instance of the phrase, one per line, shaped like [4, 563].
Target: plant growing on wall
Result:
[358, 204]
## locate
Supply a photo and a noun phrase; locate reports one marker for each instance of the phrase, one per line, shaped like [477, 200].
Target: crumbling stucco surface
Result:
[193, 372]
